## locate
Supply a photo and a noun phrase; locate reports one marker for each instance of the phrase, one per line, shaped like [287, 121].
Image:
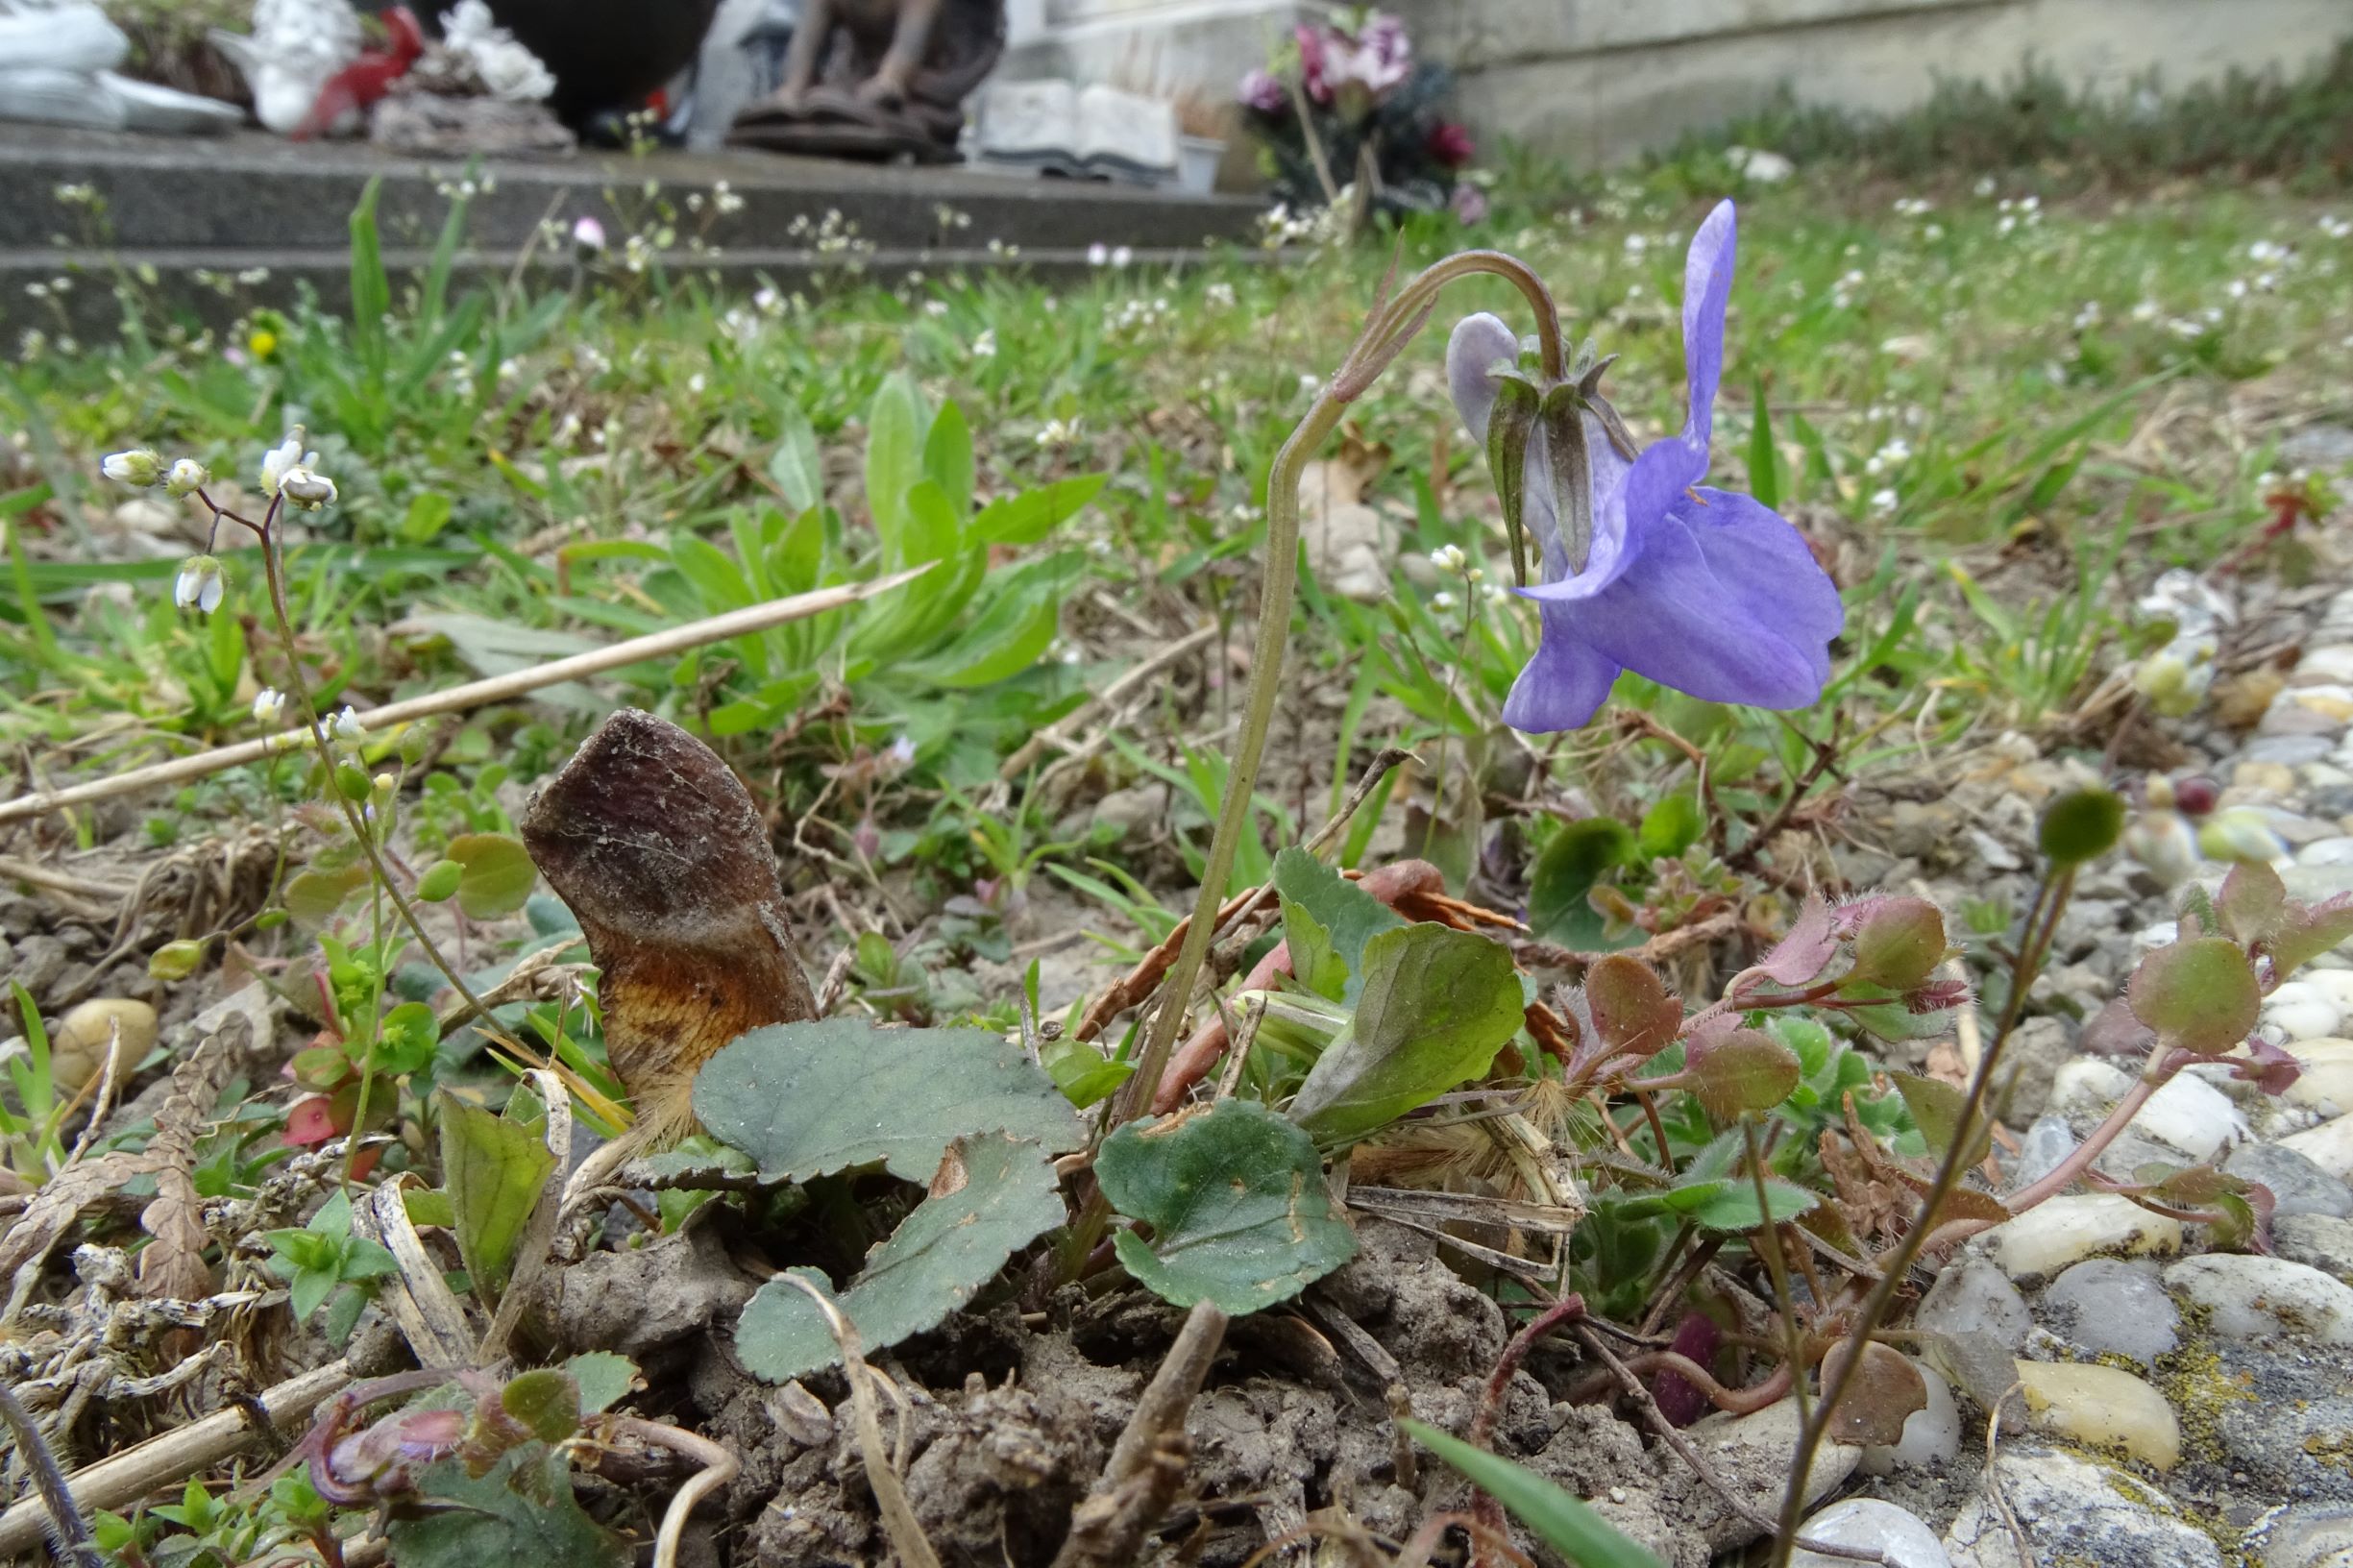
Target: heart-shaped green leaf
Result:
[1236, 1202]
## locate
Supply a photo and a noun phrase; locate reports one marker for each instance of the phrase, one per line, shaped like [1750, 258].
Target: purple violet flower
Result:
[1704, 590]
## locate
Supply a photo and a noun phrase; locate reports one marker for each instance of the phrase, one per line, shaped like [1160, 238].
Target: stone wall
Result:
[1599, 80]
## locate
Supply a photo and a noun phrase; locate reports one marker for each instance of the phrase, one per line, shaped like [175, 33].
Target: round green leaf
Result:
[1899, 942]
[547, 1401]
[2082, 824]
[1236, 1202]
[499, 874]
[2200, 995]
[1745, 1071]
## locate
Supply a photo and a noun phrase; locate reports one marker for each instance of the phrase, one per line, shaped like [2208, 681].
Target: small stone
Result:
[1756, 1453]
[2329, 852]
[2100, 1406]
[2253, 1297]
[2273, 778]
[78, 1049]
[1132, 811]
[2310, 1536]
[2298, 1186]
[2329, 1146]
[2076, 1512]
[2047, 1142]
[1931, 1433]
[1899, 1536]
[2278, 751]
[1974, 1296]
[2065, 1230]
[2325, 1242]
[2326, 1081]
[2302, 1010]
[2192, 1115]
[2322, 664]
[2087, 1085]
[2337, 985]
[2107, 1306]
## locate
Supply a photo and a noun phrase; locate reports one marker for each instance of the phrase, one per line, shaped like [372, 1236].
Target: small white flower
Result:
[2146, 311]
[1098, 254]
[1058, 432]
[1308, 383]
[138, 466]
[279, 459]
[1985, 186]
[902, 751]
[347, 728]
[1219, 294]
[935, 307]
[199, 585]
[1448, 559]
[983, 347]
[1883, 502]
[696, 383]
[269, 707]
[1442, 600]
[588, 236]
[2089, 316]
[1121, 256]
[2236, 288]
[187, 476]
[1497, 593]
[305, 489]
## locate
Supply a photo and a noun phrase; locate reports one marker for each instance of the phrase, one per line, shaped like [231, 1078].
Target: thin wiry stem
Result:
[1393, 325]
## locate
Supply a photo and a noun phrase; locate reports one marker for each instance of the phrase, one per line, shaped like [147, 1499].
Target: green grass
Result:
[1993, 416]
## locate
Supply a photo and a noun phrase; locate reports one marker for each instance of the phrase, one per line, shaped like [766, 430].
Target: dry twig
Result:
[1148, 1463]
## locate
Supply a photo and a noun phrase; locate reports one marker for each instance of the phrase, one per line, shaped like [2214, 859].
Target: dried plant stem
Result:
[1393, 325]
[719, 1467]
[1147, 1466]
[122, 1479]
[471, 694]
[2049, 903]
[898, 1521]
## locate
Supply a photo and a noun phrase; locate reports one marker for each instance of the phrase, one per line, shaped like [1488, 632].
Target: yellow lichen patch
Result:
[2199, 1389]
[2103, 1407]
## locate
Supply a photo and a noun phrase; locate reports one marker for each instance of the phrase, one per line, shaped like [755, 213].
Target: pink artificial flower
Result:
[1450, 144]
[1312, 40]
[1261, 91]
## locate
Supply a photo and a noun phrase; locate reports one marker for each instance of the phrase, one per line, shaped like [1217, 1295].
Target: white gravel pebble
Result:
[2254, 1298]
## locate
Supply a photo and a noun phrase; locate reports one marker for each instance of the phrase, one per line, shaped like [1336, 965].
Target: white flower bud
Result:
[187, 476]
[269, 707]
[347, 728]
[288, 454]
[305, 489]
[137, 466]
[200, 584]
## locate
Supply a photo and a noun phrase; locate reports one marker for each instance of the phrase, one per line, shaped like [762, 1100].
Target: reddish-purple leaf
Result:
[1806, 951]
[1631, 1010]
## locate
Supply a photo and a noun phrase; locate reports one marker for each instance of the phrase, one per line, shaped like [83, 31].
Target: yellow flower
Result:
[262, 344]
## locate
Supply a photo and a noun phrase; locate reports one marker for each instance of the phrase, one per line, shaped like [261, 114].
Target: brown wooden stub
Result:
[657, 848]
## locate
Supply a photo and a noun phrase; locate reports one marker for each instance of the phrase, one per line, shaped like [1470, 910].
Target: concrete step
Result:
[233, 205]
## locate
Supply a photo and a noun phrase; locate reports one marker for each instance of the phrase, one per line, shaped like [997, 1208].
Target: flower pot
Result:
[1197, 161]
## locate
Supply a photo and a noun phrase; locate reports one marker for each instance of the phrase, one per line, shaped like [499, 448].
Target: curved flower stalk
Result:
[1704, 590]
